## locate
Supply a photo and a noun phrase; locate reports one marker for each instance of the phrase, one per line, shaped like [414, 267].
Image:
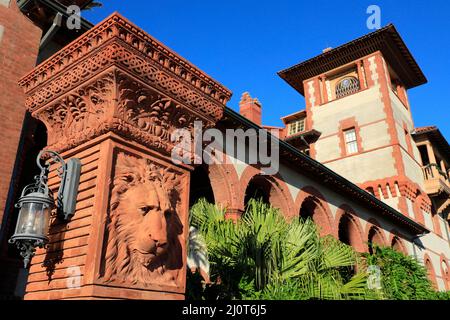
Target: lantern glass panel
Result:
[34, 219]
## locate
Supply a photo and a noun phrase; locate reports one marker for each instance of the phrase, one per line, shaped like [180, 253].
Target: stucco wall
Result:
[412, 169]
[365, 107]
[366, 166]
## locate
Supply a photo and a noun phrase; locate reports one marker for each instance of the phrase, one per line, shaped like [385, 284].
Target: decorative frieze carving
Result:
[80, 115]
[116, 42]
[118, 103]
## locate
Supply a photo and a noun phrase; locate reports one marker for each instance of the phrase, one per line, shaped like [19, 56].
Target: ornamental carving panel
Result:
[80, 115]
[116, 102]
[155, 116]
[116, 78]
[144, 236]
[116, 42]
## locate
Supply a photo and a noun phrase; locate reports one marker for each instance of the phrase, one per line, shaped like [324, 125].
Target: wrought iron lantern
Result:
[37, 202]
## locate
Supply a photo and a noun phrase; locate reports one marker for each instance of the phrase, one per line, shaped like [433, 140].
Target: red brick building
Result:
[112, 96]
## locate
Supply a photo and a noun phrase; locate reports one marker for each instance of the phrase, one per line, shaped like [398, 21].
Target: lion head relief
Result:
[143, 232]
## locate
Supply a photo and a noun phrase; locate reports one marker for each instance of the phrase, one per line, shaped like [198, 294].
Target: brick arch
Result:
[225, 184]
[345, 214]
[374, 233]
[445, 271]
[279, 195]
[430, 270]
[396, 243]
[322, 215]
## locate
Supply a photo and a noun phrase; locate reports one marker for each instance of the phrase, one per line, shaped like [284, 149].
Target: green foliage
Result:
[403, 277]
[262, 256]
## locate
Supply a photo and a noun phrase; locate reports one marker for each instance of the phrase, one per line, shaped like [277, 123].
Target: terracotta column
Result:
[113, 98]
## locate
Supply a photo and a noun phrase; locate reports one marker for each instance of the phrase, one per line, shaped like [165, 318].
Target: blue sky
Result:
[242, 44]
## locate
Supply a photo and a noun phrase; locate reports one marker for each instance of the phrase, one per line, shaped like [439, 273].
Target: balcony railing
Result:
[433, 171]
[436, 180]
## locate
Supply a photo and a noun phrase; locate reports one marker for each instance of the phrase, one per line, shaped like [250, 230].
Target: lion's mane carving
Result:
[143, 232]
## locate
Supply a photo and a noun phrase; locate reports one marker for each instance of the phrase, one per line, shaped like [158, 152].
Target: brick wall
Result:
[19, 44]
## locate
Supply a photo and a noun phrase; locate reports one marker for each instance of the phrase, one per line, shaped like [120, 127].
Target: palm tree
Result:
[262, 256]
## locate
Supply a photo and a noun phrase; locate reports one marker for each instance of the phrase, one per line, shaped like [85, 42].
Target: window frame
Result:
[351, 142]
[354, 87]
[297, 124]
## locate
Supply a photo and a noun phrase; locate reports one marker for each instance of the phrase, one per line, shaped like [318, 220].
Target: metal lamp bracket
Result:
[69, 174]
[70, 188]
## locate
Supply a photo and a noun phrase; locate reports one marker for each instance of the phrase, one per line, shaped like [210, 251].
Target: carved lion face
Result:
[143, 245]
[147, 209]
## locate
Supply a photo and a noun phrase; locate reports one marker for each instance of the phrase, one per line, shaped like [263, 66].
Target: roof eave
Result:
[387, 40]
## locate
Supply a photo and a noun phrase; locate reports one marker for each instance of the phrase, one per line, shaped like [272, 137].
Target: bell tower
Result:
[356, 97]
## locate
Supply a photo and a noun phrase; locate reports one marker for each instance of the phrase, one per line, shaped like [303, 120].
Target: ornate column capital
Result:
[118, 78]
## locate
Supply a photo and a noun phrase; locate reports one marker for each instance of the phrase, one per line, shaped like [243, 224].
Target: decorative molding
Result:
[117, 102]
[117, 43]
[373, 70]
[311, 92]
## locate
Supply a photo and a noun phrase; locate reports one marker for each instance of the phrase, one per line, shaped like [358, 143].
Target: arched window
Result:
[347, 86]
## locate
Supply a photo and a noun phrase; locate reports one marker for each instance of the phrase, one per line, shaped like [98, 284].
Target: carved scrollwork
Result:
[80, 113]
[118, 103]
[116, 42]
[149, 111]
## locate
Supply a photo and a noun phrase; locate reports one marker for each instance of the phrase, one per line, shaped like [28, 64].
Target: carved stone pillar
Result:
[113, 98]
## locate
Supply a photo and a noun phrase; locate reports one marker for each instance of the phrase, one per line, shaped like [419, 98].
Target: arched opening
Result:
[308, 209]
[397, 245]
[258, 188]
[269, 190]
[200, 186]
[349, 233]
[370, 190]
[374, 239]
[311, 208]
[430, 272]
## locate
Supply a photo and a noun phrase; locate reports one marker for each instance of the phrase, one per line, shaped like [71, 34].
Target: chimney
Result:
[250, 108]
[327, 50]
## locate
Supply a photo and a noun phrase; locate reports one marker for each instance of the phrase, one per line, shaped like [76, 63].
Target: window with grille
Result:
[347, 86]
[351, 141]
[297, 126]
